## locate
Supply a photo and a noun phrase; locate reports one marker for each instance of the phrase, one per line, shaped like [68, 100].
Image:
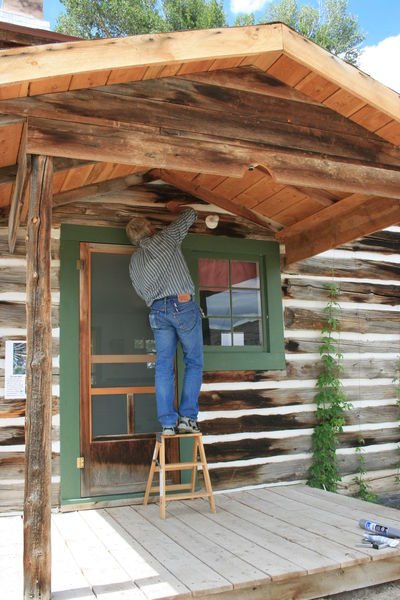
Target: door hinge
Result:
[80, 265]
[80, 462]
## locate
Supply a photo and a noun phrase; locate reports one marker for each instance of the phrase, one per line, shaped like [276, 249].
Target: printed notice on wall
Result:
[15, 369]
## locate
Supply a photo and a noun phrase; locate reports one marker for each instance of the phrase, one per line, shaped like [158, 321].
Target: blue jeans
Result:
[171, 321]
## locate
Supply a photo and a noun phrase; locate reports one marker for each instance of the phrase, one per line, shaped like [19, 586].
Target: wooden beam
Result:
[97, 191]
[156, 147]
[328, 174]
[213, 198]
[345, 221]
[37, 498]
[155, 49]
[19, 194]
[261, 119]
[132, 146]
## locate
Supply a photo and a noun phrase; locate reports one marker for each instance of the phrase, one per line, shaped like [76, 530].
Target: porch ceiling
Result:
[257, 121]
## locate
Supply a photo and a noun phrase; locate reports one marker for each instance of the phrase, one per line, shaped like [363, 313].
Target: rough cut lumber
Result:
[95, 190]
[20, 192]
[348, 219]
[214, 198]
[37, 498]
[154, 49]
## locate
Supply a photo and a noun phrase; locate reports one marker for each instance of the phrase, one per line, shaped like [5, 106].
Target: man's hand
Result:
[174, 206]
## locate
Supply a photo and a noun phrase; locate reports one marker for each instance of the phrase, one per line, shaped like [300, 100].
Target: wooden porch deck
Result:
[272, 543]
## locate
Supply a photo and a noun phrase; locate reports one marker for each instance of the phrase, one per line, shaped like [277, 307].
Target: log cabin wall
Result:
[257, 425]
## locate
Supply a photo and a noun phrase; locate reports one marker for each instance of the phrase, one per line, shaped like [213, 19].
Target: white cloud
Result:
[382, 62]
[247, 6]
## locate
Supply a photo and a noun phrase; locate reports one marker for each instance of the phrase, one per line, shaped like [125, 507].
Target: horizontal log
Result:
[299, 345]
[295, 420]
[10, 409]
[294, 470]
[371, 321]
[12, 496]
[13, 315]
[352, 291]
[266, 447]
[324, 266]
[387, 242]
[17, 274]
[12, 436]
[221, 400]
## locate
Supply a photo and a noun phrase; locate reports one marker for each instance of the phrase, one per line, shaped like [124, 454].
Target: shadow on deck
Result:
[272, 543]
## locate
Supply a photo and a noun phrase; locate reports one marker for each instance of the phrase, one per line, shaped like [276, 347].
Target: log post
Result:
[37, 498]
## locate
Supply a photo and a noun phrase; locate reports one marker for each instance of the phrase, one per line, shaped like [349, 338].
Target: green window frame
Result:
[270, 354]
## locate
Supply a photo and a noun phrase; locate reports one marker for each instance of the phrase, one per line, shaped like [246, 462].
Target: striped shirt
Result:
[158, 268]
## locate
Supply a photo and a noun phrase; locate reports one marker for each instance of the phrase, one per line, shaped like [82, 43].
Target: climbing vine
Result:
[364, 490]
[330, 400]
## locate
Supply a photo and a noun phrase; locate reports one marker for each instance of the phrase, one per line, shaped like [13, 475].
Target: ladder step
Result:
[179, 466]
[188, 496]
[172, 486]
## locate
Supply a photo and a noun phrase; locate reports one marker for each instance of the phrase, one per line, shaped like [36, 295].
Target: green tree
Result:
[329, 25]
[245, 19]
[117, 18]
[193, 14]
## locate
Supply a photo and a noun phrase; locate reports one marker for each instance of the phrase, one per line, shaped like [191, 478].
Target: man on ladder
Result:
[161, 277]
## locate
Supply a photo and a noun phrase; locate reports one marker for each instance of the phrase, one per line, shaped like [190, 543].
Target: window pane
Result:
[213, 272]
[244, 274]
[215, 302]
[123, 374]
[247, 332]
[246, 302]
[119, 318]
[109, 415]
[145, 408]
[217, 332]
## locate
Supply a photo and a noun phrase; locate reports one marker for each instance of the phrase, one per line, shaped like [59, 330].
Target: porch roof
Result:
[258, 121]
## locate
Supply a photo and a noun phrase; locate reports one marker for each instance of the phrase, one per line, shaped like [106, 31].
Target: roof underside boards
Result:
[257, 121]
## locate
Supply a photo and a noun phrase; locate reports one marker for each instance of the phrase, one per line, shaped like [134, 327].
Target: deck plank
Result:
[186, 567]
[238, 572]
[107, 579]
[148, 573]
[272, 543]
[380, 511]
[67, 579]
[349, 510]
[313, 521]
[215, 530]
[310, 561]
[289, 528]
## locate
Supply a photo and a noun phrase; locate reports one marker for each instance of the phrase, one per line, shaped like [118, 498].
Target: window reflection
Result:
[230, 297]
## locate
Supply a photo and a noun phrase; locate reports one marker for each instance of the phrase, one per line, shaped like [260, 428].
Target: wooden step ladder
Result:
[158, 465]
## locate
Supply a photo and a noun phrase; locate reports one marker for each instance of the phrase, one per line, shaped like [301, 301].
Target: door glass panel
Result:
[145, 413]
[109, 415]
[122, 375]
[119, 318]
[122, 351]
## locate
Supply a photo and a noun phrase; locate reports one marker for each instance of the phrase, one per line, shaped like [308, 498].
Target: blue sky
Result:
[380, 19]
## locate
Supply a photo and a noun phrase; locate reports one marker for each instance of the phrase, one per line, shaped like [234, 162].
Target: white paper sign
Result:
[15, 369]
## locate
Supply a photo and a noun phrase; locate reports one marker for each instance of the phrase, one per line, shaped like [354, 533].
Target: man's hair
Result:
[137, 229]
